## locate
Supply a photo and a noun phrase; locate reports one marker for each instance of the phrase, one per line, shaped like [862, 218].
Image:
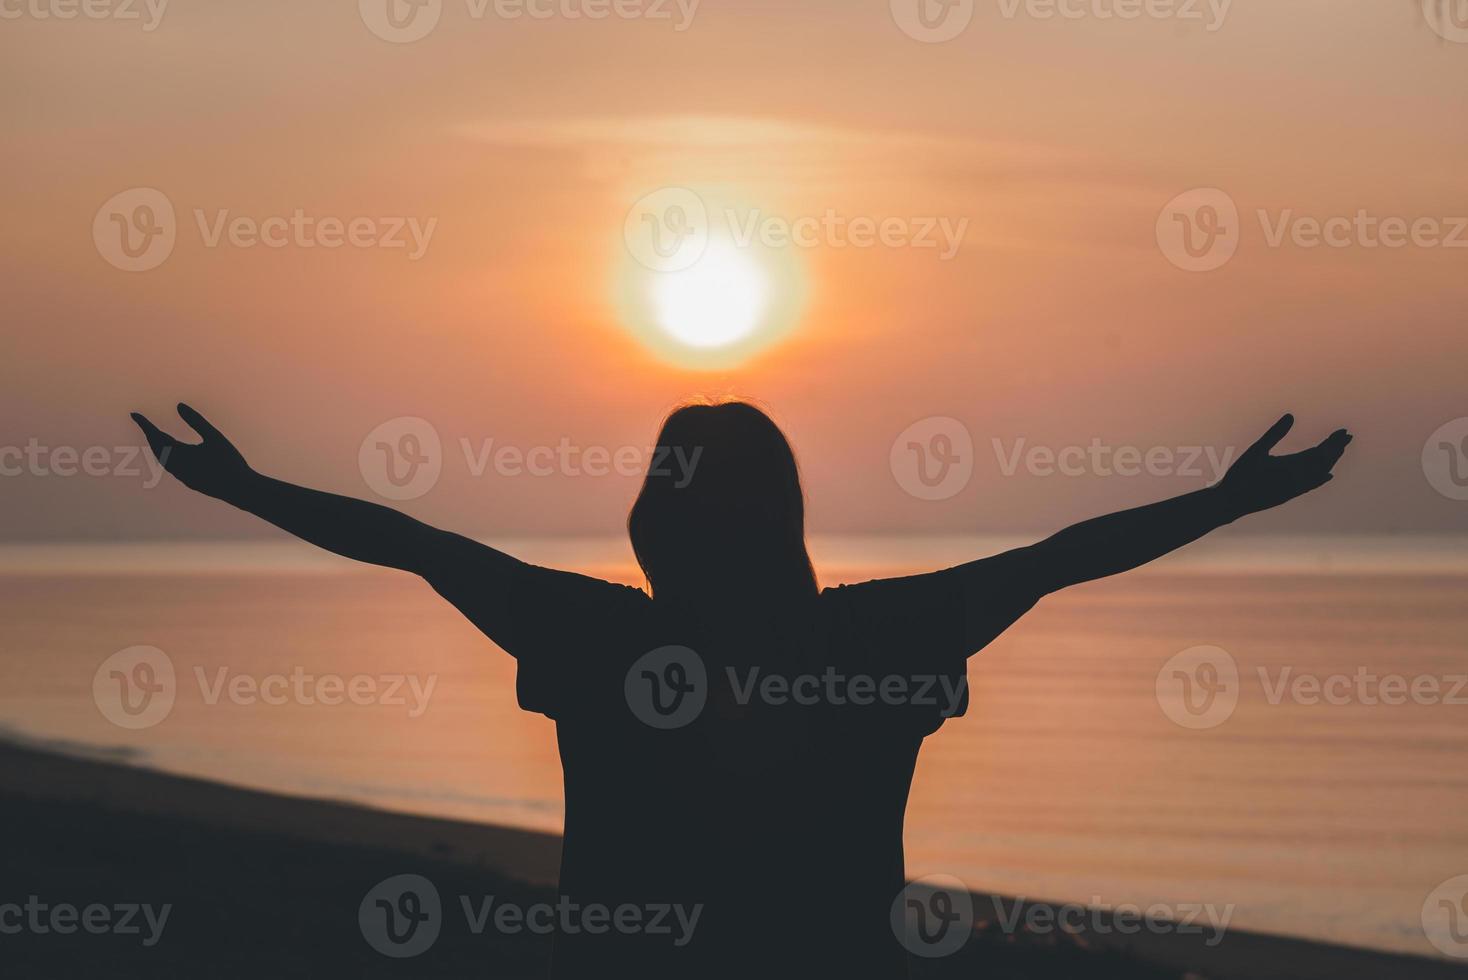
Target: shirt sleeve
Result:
[909, 633]
[561, 627]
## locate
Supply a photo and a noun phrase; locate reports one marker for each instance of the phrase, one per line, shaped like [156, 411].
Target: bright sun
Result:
[718, 300]
[695, 294]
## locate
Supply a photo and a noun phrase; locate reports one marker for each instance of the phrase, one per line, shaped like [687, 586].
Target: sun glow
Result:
[717, 301]
[696, 294]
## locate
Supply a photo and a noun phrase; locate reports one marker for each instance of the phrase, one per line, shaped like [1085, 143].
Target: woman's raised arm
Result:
[994, 592]
[353, 528]
[548, 619]
[1122, 541]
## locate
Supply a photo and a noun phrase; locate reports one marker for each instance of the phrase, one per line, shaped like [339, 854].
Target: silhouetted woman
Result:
[738, 744]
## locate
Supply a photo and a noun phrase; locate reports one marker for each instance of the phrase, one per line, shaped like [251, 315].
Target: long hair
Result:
[721, 509]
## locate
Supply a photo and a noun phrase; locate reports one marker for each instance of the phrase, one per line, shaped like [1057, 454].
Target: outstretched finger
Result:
[158, 440]
[1329, 449]
[1336, 443]
[1271, 438]
[198, 423]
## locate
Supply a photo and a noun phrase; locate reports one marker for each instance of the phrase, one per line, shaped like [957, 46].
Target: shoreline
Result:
[1408, 553]
[94, 827]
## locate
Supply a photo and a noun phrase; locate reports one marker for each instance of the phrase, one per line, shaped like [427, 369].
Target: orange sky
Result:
[1058, 321]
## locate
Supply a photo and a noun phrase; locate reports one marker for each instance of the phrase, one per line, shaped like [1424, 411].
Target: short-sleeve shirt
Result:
[753, 764]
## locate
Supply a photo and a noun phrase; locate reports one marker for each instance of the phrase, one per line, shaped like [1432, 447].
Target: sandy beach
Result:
[257, 884]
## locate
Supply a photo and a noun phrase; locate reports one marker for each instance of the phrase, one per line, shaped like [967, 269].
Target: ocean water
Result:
[1324, 817]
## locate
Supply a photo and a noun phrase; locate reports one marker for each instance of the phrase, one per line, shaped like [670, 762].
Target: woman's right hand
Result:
[1259, 481]
[212, 466]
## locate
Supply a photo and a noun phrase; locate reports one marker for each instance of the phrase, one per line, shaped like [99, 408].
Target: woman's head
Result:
[721, 507]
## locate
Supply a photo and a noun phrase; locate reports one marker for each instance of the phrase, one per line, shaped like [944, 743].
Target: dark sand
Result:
[266, 886]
